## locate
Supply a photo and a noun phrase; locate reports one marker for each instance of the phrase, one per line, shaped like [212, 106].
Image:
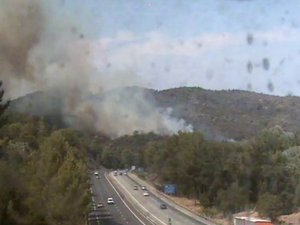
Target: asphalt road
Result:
[151, 204]
[119, 213]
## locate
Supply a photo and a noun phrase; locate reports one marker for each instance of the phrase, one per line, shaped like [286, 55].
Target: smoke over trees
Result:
[43, 51]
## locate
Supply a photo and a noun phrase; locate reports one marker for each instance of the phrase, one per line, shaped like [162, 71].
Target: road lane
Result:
[121, 215]
[152, 205]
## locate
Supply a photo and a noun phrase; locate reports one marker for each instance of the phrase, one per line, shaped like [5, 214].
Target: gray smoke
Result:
[41, 51]
[21, 25]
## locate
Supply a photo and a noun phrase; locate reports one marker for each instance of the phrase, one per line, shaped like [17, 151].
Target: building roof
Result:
[252, 219]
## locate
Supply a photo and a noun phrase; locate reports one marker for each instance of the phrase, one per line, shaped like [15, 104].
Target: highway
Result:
[112, 214]
[151, 204]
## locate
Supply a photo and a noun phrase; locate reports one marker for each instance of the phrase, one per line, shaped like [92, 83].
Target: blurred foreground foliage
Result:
[43, 173]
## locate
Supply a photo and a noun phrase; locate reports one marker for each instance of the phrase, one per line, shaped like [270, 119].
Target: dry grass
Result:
[195, 207]
[292, 219]
[189, 204]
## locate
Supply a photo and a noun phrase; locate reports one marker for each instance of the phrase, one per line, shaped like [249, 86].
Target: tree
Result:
[11, 194]
[110, 158]
[234, 199]
[3, 106]
[57, 181]
[270, 205]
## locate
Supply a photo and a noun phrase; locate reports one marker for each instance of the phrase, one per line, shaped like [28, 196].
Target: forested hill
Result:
[218, 114]
[232, 114]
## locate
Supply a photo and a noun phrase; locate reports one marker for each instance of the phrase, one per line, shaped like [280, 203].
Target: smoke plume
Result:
[21, 25]
[42, 50]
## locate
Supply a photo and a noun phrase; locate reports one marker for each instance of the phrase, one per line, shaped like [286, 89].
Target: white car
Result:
[144, 188]
[146, 193]
[110, 201]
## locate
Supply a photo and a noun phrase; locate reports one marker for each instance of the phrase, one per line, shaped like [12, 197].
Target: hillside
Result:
[220, 115]
[232, 114]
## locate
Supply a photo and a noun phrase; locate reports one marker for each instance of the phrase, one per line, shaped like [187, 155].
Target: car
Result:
[120, 173]
[146, 193]
[115, 173]
[135, 187]
[110, 201]
[96, 173]
[125, 173]
[144, 188]
[163, 206]
[99, 205]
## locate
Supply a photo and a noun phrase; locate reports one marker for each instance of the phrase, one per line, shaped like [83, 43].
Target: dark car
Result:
[163, 206]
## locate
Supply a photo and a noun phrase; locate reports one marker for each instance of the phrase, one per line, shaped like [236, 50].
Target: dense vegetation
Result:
[262, 173]
[43, 177]
[231, 113]
[43, 173]
[217, 114]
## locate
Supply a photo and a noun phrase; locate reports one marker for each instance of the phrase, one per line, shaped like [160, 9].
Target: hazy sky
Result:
[215, 44]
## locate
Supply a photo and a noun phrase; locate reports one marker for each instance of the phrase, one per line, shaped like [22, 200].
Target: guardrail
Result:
[160, 195]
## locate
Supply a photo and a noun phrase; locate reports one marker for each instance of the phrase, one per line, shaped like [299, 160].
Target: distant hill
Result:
[43, 104]
[233, 113]
[219, 114]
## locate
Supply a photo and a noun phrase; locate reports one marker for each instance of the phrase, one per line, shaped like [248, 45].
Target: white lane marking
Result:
[94, 204]
[139, 203]
[186, 216]
[123, 200]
